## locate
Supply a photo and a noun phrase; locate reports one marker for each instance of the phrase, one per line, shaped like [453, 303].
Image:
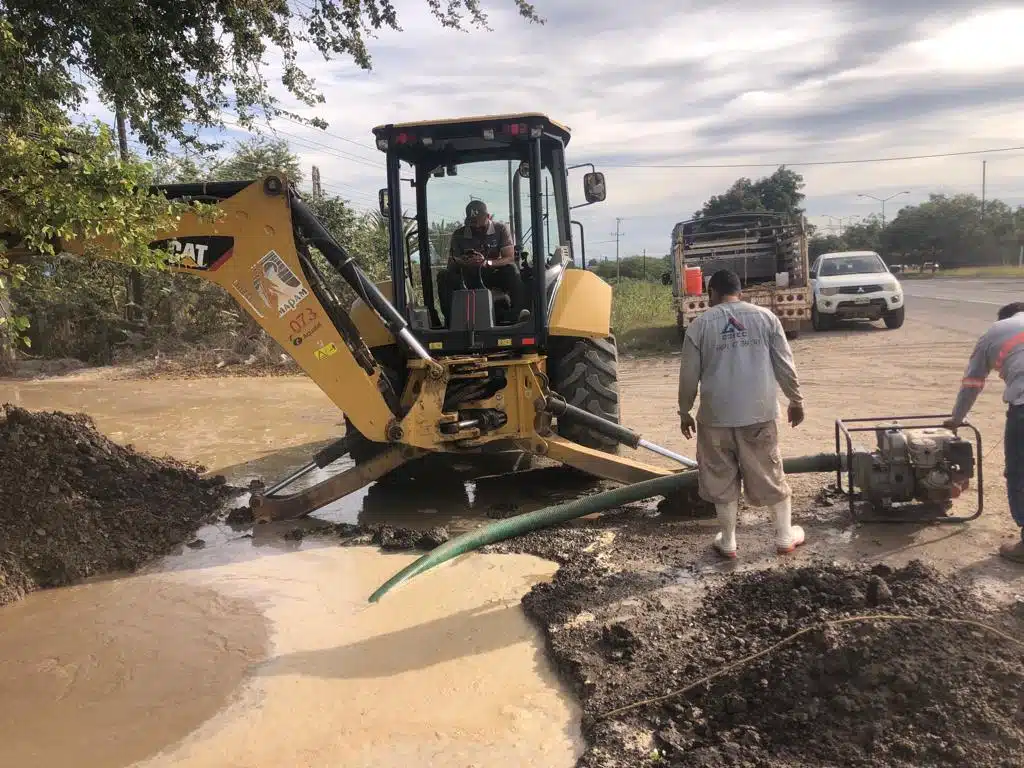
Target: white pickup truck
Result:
[854, 285]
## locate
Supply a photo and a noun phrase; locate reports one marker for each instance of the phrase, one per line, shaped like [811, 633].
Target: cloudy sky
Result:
[667, 82]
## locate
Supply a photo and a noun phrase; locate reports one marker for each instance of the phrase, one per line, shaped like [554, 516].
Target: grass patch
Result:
[643, 318]
[962, 272]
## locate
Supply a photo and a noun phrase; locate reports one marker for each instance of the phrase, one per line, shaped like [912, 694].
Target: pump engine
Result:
[930, 465]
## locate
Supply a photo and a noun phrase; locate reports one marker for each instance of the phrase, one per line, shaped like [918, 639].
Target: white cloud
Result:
[651, 81]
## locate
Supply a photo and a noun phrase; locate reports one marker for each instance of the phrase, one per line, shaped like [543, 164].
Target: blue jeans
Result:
[1014, 445]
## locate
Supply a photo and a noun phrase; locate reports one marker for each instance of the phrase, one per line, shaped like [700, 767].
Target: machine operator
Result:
[1002, 347]
[737, 352]
[482, 252]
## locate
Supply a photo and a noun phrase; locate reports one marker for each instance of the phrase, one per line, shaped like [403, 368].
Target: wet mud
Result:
[632, 616]
[74, 504]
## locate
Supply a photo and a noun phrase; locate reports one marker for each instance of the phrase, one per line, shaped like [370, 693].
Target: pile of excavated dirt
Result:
[74, 504]
[873, 693]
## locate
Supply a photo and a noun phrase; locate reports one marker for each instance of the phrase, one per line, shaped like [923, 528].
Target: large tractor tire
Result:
[586, 373]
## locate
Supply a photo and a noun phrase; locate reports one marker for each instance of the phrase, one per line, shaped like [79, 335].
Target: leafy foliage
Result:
[76, 305]
[172, 66]
[950, 230]
[633, 268]
[778, 193]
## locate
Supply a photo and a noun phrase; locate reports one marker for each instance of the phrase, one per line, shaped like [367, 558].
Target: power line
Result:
[815, 162]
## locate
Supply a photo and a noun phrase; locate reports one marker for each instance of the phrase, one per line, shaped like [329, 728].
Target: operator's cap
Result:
[476, 208]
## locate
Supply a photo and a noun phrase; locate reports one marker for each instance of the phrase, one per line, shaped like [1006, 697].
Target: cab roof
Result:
[841, 254]
[473, 126]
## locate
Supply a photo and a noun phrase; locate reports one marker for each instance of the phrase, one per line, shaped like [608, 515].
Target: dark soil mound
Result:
[74, 504]
[873, 693]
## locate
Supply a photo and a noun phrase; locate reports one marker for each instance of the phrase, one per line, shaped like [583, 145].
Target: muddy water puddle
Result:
[225, 656]
[108, 673]
[281, 661]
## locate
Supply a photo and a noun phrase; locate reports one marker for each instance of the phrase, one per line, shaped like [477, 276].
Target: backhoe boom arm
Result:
[256, 248]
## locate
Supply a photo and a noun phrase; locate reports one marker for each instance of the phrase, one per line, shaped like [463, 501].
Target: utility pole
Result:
[133, 307]
[617, 234]
[645, 263]
[318, 190]
[984, 164]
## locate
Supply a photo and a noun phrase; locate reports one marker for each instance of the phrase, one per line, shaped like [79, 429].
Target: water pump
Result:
[916, 470]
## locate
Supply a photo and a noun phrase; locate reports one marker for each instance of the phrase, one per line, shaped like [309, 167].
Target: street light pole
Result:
[884, 200]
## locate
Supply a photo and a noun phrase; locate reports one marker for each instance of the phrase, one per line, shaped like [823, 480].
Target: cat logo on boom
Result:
[204, 253]
[189, 254]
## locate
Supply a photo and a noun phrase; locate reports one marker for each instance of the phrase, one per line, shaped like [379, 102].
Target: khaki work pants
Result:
[728, 455]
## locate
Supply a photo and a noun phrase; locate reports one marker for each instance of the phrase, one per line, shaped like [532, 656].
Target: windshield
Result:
[448, 196]
[852, 265]
[506, 195]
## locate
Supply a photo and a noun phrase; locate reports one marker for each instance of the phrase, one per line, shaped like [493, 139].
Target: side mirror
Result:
[593, 187]
[524, 170]
[383, 202]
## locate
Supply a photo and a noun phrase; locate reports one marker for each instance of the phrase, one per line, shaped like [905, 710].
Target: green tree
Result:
[777, 193]
[864, 235]
[824, 244]
[171, 69]
[953, 231]
[257, 157]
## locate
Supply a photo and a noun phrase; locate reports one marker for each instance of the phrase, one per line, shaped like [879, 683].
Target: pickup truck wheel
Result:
[821, 322]
[894, 318]
[586, 373]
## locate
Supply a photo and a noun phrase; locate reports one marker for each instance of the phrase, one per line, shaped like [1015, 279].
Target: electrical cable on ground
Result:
[821, 625]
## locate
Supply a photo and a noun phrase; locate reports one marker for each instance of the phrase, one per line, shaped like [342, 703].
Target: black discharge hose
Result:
[560, 513]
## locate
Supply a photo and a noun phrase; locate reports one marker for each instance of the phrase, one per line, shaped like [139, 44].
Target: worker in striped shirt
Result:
[1002, 348]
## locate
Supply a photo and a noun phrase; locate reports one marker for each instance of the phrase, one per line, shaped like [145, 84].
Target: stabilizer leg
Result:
[600, 464]
[295, 505]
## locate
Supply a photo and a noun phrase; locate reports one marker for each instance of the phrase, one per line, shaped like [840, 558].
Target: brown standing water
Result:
[256, 651]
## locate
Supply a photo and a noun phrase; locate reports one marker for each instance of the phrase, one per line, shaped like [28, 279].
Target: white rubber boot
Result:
[787, 536]
[725, 540]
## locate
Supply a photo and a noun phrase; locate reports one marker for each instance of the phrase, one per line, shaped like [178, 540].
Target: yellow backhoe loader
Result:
[408, 381]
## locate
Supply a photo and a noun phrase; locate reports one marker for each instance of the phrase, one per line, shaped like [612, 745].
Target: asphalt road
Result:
[965, 306]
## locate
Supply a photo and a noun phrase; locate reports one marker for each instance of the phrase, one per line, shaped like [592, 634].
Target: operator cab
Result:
[515, 166]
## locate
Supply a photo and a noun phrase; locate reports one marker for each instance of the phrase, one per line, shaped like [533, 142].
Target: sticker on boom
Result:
[275, 283]
[325, 351]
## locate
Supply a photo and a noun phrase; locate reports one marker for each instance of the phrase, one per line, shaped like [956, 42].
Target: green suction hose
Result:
[560, 513]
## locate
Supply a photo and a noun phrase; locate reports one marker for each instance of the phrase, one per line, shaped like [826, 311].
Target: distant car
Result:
[854, 285]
